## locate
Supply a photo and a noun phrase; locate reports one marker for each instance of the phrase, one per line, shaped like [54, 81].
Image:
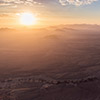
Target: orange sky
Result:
[50, 12]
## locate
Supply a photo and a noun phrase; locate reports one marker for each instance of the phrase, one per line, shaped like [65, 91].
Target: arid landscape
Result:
[53, 63]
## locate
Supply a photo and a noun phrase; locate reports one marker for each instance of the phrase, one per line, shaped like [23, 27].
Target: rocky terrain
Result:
[45, 88]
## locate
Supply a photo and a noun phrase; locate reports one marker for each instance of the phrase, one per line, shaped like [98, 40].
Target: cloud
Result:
[19, 2]
[40, 2]
[76, 2]
[4, 15]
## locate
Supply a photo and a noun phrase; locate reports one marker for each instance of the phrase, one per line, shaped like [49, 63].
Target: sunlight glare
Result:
[27, 19]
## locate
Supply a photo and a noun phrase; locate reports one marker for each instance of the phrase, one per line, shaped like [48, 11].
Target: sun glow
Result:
[27, 19]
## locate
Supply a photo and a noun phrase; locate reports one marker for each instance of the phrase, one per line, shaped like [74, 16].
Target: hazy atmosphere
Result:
[49, 12]
[49, 50]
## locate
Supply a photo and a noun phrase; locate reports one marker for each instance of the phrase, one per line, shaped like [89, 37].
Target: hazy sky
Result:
[50, 12]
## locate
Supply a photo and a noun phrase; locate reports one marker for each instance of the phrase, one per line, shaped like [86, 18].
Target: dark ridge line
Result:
[73, 82]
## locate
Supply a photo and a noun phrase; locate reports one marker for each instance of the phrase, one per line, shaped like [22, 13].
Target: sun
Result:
[27, 19]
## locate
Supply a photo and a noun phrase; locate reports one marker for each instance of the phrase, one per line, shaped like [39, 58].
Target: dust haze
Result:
[53, 63]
